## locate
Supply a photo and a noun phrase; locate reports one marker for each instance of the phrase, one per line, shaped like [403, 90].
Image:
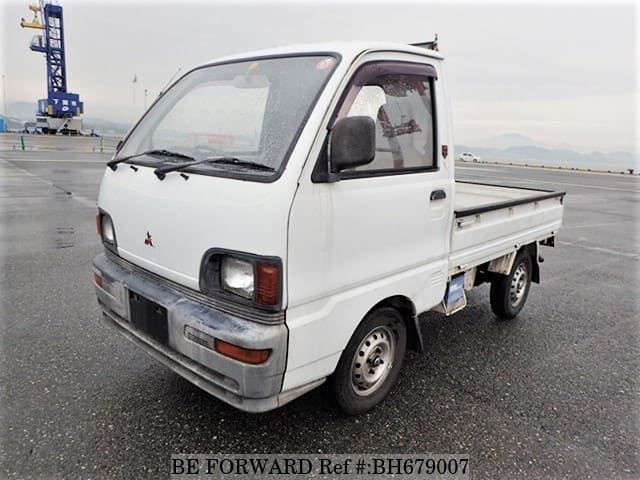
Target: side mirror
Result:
[352, 143]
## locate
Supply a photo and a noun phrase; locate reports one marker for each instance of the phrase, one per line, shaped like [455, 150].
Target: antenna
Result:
[433, 45]
[169, 82]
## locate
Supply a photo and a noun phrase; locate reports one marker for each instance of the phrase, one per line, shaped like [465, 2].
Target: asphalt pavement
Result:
[551, 394]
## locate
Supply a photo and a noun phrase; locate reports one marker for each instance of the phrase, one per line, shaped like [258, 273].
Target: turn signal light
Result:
[99, 224]
[246, 355]
[268, 284]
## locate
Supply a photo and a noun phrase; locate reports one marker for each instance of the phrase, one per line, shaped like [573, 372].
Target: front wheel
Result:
[509, 293]
[370, 364]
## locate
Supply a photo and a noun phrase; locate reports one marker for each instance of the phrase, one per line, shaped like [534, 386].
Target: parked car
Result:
[468, 157]
[296, 238]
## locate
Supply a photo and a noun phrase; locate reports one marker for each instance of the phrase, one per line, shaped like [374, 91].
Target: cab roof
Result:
[348, 50]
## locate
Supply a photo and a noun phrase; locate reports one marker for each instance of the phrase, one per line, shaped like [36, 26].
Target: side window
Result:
[402, 107]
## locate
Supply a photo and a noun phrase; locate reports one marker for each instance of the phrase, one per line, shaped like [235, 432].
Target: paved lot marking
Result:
[635, 256]
[49, 160]
[87, 202]
[591, 225]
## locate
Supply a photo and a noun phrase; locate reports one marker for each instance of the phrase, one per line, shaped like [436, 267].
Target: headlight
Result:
[237, 276]
[107, 230]
[249, 279]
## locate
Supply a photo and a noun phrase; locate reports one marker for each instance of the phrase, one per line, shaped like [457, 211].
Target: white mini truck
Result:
[281, 218]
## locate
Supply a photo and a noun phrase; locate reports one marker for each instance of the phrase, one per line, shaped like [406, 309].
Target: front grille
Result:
[239, 311]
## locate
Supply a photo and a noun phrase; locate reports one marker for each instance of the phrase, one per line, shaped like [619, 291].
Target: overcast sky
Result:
[563, 74]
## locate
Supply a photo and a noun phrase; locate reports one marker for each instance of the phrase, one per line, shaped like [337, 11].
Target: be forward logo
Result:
[148, 240]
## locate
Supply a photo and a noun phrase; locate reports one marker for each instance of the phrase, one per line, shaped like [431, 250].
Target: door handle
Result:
[438, 195]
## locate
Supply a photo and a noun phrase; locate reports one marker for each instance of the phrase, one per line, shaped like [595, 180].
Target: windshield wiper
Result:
[113, 164]
[161, 172]
[242, 163]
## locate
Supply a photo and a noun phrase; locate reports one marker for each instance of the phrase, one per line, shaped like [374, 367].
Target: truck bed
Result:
[491, 220]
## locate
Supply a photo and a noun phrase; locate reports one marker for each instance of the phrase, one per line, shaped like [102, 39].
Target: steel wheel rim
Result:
[373, 361]
[518, 284]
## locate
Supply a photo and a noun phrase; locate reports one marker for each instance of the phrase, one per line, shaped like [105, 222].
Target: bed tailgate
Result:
[491, 220]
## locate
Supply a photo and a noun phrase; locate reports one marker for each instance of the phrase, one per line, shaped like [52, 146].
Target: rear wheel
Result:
[370, 364]
[509, 293]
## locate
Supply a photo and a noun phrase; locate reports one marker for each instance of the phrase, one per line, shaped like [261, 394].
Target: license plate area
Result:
[149, 317]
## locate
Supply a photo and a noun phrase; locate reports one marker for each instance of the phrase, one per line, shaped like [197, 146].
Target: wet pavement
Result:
[552, 394]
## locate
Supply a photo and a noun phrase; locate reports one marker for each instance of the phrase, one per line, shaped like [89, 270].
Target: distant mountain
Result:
[25, 111]
[515, 147]
[532, 154]
[507, 140]
[104, 127]
[513, 139]
[13, 124]
[21, 112]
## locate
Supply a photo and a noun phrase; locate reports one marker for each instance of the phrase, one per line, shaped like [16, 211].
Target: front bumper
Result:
[252, 388]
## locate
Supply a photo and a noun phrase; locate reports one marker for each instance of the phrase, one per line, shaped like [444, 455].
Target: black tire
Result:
[509, 292]
[381, 342]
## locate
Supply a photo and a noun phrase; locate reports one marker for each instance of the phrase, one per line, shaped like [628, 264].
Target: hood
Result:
[167, 226]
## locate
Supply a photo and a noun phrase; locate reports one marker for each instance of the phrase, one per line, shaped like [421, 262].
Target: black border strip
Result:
[512, 203]
[505, 186]
[320, 172]
[111, 246]
[294, 141]
[234, 309]
[216, 288]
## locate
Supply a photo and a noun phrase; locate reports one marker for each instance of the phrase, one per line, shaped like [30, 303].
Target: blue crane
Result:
[60, 111]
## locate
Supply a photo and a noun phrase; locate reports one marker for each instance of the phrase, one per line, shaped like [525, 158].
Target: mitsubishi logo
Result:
[148, 240]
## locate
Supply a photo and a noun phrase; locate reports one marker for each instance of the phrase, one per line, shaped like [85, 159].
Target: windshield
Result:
[249, 110]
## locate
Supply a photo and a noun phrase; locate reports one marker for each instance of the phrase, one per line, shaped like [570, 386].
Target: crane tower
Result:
[61, 111]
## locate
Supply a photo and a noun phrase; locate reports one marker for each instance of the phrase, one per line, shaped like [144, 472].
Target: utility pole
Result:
[133, 88]
[4, 96]
[145, 99]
